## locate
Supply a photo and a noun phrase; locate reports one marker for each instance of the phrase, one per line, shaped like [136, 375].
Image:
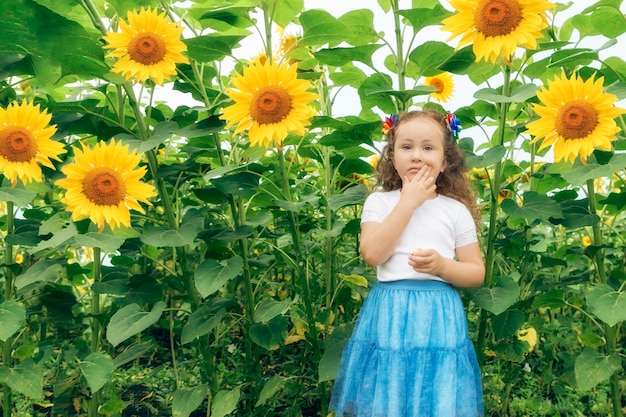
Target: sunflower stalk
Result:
[7, 361]
[94, 401]
[493, 214]
[302, 279]
[609, 332]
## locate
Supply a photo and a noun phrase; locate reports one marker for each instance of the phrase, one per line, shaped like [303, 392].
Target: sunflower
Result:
[270, 101]
[103, 184]
[444, 85]
[575, 116]
[497, 27]
[25, 142]
[148, 47]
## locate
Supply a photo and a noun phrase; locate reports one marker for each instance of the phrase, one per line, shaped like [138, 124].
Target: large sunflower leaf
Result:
[606, 303]
[25, 378]
[12, 315]
[211, 275]
[361, 23]
[422, 17]
[186, 401]
[341, 56]
[591, 368]
[28, 28]
[225, 402]
[285, 11]
[497, 298]
[211, 47]
[429, 55]
[97, 368]
[321, 28]
[580, 173]
[535, 206]
[130, 320]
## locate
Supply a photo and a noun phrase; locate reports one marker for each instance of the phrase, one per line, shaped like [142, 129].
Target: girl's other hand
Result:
[427, 261]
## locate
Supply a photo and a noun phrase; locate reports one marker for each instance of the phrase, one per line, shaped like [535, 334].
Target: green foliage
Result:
[237, 289]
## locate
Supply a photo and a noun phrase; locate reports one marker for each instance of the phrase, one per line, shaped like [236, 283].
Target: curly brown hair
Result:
[452, 182]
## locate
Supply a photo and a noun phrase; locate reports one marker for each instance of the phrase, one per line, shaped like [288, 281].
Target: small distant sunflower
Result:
[576, 117]
[104, 183]
[270, 102]
[149, 46]
[443, 83]
[25, 142]
[497, 27]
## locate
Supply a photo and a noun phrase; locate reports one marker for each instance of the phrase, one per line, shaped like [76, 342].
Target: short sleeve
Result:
[374, 208]
[466, 229]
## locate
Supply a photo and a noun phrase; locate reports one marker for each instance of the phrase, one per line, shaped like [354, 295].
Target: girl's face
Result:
[419, 142]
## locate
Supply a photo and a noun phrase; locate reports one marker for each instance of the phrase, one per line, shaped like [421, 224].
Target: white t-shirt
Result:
[442, 223]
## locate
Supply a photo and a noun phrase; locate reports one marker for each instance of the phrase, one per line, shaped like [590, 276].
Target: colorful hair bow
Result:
[389, 123]
[454, 126]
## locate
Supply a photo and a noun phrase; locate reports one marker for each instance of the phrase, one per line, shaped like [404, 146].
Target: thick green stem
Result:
[7, 361]
[302, 280]
[493, 215]
[400, 61]
[94, 401]
[609, 332]
[330, 277]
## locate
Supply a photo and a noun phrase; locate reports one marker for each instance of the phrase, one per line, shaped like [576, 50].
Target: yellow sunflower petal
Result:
[103, 184]
[148, 47]
[269, 102]
[25, 142]
[497, 27]
[575, 117]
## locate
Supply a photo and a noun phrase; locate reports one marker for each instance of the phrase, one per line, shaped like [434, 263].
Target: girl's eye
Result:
[428, 148]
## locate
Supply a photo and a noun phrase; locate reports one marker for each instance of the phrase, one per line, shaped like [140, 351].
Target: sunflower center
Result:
[270, 105]
[104, 187]
[147, 48]
[576, 119]
[17, 144]
[438, 84]
[497, 17]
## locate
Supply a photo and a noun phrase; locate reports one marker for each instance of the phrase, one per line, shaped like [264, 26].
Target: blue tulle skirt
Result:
[409, 356]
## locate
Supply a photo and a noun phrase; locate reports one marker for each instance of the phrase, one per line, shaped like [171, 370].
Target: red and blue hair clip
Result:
[452, 122]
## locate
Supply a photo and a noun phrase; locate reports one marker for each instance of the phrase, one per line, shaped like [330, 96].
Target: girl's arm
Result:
[379, 239]
[467, 271]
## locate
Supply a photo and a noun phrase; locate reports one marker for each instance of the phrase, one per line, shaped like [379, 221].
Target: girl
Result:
[410, 354]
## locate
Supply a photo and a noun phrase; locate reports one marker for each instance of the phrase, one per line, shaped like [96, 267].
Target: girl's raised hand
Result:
[419, 188]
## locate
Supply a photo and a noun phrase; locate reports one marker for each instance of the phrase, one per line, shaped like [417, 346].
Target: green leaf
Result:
[361, 23]
[225, 402]
[18, 194]
[12, 316]
[490, 157]
[592, 368]
[270, 335]
[321, 28]
[420, 18]
[186, 401]
[341, 56]
[285, 11]
[507, 323]
[97, 368]
[211, 275]
[608, 21]
[498, 298]
[550, 299]
[535, 206]
[133, 352]
[429, 55]
[212, 47]
[271, 387]
[25, 378]
[42, 271]
[243, 184]
[329, 363]
[104, 240]
[580, 173]
[200, 322]
[355, 280]
[607, 304]
[351, 196]
[130, 320]
[518, 94]
[269, 308]
[185, 235]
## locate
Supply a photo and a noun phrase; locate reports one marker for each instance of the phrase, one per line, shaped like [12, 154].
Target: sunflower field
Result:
[180, 211]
